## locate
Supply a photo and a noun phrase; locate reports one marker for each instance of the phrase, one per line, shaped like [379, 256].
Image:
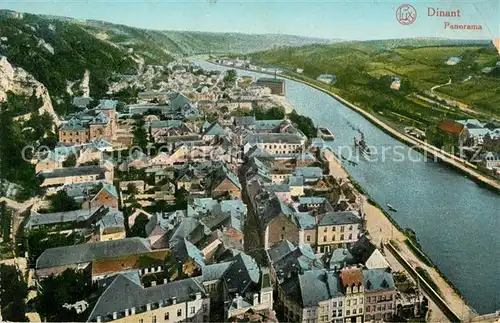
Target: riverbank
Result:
[428, 150]
[383, 229]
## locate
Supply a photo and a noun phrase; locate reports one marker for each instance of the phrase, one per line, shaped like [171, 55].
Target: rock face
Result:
[18, 81]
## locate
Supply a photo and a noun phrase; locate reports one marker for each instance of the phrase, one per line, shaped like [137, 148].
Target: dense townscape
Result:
[203, 201]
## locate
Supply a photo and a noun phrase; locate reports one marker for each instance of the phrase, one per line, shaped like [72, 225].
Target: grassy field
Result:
[364, 71]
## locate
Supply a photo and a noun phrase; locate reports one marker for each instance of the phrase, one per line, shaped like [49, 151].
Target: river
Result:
[456, 220]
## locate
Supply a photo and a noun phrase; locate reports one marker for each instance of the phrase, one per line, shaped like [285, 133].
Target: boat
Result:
[325, 133]
[392, 208]
[361, 144]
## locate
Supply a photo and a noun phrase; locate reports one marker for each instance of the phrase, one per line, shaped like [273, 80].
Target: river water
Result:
[456, 220]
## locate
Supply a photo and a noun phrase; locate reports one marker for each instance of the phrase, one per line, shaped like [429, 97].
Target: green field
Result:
[364, 71]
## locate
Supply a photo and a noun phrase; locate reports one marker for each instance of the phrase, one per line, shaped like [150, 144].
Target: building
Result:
[276, 85]
[353, 284]
[126, 300]
[54, 261]
[276, 143]
[380, 294]
[88, 125]
[338, 229]
[327, 78]
[71, 175]
[106, 196]
[313, 296]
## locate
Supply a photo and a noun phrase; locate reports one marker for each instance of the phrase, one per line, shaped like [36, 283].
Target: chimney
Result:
[98, 319]
[115, 315]
[153, 283]
[148, 307]
[165, 280]
[174, 300]
[132, 311]
[255, 299]
[127, 312]
[238, 301]
[198, 295]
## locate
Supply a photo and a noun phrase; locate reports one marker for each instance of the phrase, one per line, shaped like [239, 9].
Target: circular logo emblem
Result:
[406, 14]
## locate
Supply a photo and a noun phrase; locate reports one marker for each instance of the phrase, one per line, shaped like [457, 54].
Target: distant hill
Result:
[58, 50]
[365, 70]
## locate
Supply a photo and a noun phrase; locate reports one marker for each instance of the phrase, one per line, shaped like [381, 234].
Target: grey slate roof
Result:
[340, 258]
[125, 293]
[74, 171]
[214, 271]
[241, 274]
[339, 218]
[378, 279]
[37, 219]
[82, 253]
[283, 138]
[312, 287]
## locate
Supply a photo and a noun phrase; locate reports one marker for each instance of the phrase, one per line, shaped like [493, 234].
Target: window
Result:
[341, 237]
[368, 308]
[282, 237]
[191, 310]
[342, 229]
[308, 238]
[350, 228]
[354, 312]
[141, 320]
[340, 304]
[324, 239]
[167, 316]
[334, 304]
[348, 302]
[334, 313]
[153, 319]
[333, 238]
[325, 229]
[350, 236]
[204, 306]
[179, 312]
[379, 298]
[283, 228]
[361, 301]
[360, 311]
[389, 306]
[333, 229]
[383, 307]
[347, 312]
[354, 302]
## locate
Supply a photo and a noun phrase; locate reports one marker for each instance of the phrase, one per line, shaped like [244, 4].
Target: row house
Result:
[276, 143]
[125, 299]
[71, 175]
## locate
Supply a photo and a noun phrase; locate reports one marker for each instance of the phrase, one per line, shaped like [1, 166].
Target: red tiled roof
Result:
[352, 276]
[451, 126]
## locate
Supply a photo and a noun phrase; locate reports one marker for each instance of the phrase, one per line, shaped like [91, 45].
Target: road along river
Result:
[456, 220]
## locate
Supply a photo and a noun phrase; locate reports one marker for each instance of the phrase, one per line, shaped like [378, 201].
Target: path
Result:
[440, 85]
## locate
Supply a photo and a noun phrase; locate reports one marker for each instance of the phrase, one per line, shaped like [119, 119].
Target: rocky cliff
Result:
[18, 81]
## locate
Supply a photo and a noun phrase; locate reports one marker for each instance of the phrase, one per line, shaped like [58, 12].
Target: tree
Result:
[274, 113]
[305, 124]
[62, 202]
[67, 288]
[139, 227]
[230, 76]
[13, 291]
[132, 189]
[140, 134]
[38, 240]
[70, 161]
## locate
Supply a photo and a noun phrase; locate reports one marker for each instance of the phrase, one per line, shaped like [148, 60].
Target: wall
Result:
[282, 228]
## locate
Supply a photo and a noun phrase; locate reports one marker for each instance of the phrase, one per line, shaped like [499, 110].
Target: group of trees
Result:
[65, 289]
[13, 291]
[61, 202]
[274, 113]
[305, 124]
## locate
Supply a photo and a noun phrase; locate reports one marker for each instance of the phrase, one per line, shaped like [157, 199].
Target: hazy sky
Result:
[325, 19]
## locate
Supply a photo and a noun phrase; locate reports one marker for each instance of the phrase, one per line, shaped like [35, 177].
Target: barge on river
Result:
[325, 134]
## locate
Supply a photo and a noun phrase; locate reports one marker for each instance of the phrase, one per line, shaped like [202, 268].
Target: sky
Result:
[348, 20]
